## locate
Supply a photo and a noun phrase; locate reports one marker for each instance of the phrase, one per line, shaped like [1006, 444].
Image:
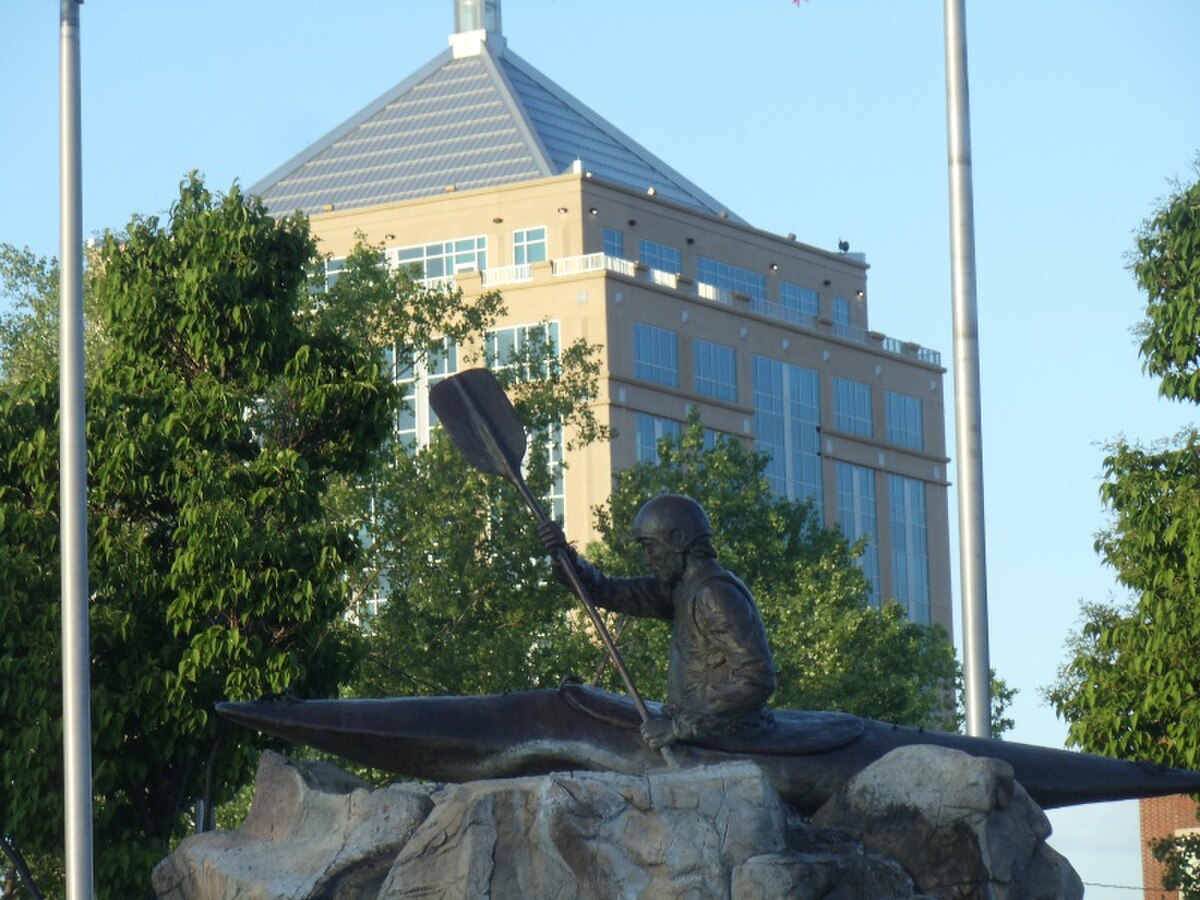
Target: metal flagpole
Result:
[77, 732]
[968, 432]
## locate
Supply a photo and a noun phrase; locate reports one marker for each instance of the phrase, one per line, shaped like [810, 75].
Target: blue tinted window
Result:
[716, 370]
[655, 355]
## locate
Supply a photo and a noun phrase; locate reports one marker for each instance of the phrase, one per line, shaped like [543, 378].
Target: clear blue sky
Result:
[826, 119]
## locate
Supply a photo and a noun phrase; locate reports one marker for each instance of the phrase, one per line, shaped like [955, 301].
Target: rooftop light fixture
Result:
[593, 211]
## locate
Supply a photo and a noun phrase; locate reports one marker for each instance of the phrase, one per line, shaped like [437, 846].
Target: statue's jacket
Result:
[720, 671]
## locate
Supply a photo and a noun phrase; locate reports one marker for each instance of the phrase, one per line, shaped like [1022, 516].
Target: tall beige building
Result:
[482, 172]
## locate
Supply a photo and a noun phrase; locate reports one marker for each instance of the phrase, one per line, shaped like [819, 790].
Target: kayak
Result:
[807, 756]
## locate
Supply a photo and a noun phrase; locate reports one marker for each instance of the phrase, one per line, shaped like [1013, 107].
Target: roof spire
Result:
[476, 22]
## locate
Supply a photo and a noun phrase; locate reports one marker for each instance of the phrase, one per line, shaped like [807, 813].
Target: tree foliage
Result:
[832, 649]
[218, 415]
[1131, 685]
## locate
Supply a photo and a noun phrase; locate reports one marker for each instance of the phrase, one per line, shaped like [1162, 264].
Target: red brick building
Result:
[1162, 817]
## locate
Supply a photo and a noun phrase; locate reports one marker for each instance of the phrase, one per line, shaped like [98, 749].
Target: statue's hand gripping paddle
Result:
[487, 431]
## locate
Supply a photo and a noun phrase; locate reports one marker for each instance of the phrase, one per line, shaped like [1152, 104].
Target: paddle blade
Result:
[481, 421]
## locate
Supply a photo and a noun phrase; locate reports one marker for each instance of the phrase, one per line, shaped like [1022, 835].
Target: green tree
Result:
[218, 415]
[832, 648]
[1131, 685]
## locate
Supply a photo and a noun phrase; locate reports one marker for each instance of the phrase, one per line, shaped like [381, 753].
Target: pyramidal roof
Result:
[476, 116]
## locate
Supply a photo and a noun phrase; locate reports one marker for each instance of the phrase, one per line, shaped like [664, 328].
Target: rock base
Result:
[922, 824]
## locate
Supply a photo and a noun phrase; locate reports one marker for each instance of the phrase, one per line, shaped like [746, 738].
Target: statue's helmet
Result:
[675, 520]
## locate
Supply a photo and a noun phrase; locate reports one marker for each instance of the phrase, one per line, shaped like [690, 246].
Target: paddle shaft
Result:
[513, 474]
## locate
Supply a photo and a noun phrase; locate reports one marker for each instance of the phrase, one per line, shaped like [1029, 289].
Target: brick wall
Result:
[1160, 816]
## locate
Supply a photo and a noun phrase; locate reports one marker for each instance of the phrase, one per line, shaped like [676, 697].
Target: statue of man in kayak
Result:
[720, 672]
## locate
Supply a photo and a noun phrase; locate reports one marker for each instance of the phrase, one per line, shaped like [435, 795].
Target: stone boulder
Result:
[312, 831]
[589, 834]
[720, 832]
[959, 825]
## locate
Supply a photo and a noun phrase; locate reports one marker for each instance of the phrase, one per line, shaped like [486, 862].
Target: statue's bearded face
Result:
[662, 562]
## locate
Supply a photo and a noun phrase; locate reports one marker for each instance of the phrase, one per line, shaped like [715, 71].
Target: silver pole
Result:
[77, 732]
[968, 432]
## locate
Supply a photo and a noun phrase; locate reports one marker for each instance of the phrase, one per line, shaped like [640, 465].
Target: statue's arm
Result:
[642, 596]
[632, 596]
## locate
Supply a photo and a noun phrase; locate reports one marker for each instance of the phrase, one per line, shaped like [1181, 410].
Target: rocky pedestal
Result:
[922, 822]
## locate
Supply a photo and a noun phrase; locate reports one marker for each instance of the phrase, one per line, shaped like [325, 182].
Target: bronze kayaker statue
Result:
[720, 672]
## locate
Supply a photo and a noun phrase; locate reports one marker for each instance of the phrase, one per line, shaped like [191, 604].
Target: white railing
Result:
[446, 282]
[785, 313]
[591, 262]
[850, 332]
[662, 279]
[714, 293]
[907, 348]
[507, 275]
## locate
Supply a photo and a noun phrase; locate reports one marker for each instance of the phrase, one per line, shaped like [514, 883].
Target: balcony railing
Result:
[663, 279]
[446, 282]
[714, 293]
[507, 275]
[591, 262]
[784, 313]
[850, 332]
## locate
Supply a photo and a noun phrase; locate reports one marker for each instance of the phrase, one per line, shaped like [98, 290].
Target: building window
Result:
[800, 304]
[905, 420]
[910, 546]
[655, 355]
[856, 513]
[841, 317]
[852, 407]
[325, 275]
[787, 416]
[556, 498]
[416, 419]
[443, 259]
[716, 370]
[732, 278]
[529, 246]
[614, 243]
[648, 431]
[660, 256]
[508, 347]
